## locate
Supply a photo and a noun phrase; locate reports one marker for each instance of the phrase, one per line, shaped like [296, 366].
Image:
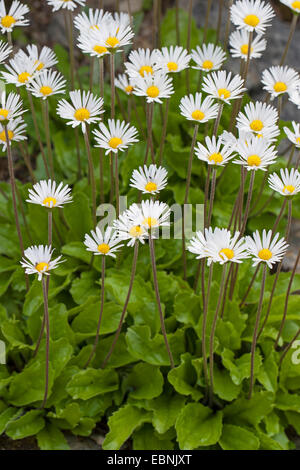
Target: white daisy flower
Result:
[208, 57]
[288, 184]
[128, 226]
[221, 247]
[280, 79]
[215, 152]
[265, 250]
[94, 19]
[239, 41]
[15, 129]
[106, 244]
[116, 137]
[193, 109]
[5, 51]
[46, 84]
[13, 17]
[292, 4]
[154, 87]
[293, 137]
[258, 117]
[251, 15]
[44, 59]
[124, 83]
[173, 59]
[255, 154]
[89, 44]
[37, 260]
[11, 106]
[85, 109]
[294, 97]
[150, 180]
[154, 214]
[122, 18]
[113, 35]
[48, 194]
[20, 71]
[68, 4]
[198, 244]
[141, 61]
[223, 86]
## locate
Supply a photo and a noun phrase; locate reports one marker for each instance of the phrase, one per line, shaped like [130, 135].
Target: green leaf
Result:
[187, 308]
[11, 330]
[7, 415]
[146, 439]
[184, 378]
[197, 426]
[287, 401]
[245, 412]
[51, 438]
[165, 411]
[268, 373]
[78, 216]
[153, 350]
[122, 423]
[240, 368]
[145, 382]
[27, 425]
[224, 386]
[90, 383]
[237, 438]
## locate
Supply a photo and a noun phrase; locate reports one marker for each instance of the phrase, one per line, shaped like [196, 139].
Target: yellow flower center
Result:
[198, 115]
[82, 114]
[279, 87]
[136, 231]
[256, 125]
[103, 248]
[288, 189]
[265, 254]
[23, 77]
[3, 136]
[100, 49]
[146, 69]
[216, 158]
[223, 92]
[40, 66]
[254, 160]
[3, 113]
[112, 41]
[129, 89]
[229, 254]
[153, 91]
[94, 26]
[42, 267]
[244, 49]
[150, 222]
[296, 5]
[151, 187]
[172, 66]
[251, 20]
[115, 142]
[7, 21]
[207, 64]
[46, 90]
[50, 201]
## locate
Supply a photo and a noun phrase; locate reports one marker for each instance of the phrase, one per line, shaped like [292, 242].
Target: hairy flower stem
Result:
[227, 29]
[212, 195]
[212, 337]
[14, 197]
[220, 12]
[69, 26]
[92, 174]
[279, 217]
[204, 325]
[100, 315]
[225, 289]
[249, 287]
[149, 120]
[38, 134]
[292, 31]
[156, 288]
[45, 108]
[177, 23]
[112, 85]
[92, 65]
[25, 155]
[117, 185]
[250, 192]
[260, 192]
[186, 197]
[164, 132]
[133, 271]
[188, 43]
[218, 119]
[46, 314]
[208, 8]
[291, 156]
[254, 339]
